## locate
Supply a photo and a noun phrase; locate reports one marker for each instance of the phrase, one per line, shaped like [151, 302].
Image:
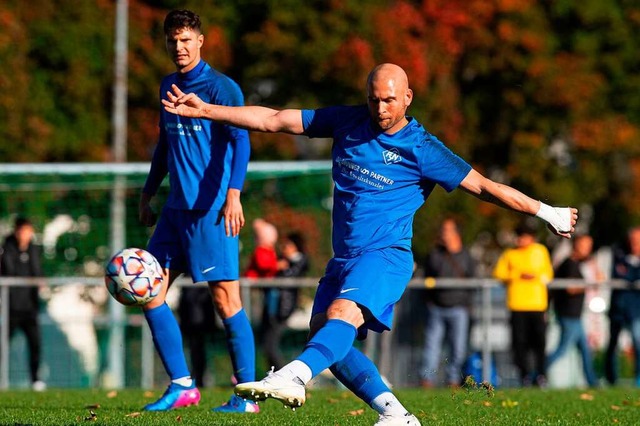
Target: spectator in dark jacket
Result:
[624, 310]
[279, 303]
[447, 308]
[568, 304]
[21, 258]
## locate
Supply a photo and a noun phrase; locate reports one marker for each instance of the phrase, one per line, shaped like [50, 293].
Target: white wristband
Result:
[558, 217]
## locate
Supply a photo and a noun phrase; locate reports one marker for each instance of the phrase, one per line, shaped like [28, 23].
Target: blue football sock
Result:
[241, 346]
[168, 340]
[330, 344]
[360, 375]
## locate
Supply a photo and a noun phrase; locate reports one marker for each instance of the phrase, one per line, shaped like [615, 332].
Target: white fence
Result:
[396, 353]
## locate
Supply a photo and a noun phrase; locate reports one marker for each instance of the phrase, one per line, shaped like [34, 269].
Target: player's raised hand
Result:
[560, 220]
[184, 104]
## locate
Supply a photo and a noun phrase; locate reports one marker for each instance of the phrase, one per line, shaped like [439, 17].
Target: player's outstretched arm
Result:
[560, 220]
[256, 118]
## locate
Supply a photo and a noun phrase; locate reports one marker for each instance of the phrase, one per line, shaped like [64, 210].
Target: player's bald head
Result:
[388, 97]
[389, 74]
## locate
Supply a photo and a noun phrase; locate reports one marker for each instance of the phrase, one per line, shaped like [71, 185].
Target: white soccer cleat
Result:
[407, 419]
[274, 386]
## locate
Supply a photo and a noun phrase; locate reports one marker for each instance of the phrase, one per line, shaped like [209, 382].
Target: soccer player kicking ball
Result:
[385, 165]
[198, 229]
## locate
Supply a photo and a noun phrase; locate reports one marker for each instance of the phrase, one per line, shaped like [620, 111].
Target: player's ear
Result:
[408, 97]
[200, 40]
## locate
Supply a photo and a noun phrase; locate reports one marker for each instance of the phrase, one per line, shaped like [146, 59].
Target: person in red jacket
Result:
[264, 259]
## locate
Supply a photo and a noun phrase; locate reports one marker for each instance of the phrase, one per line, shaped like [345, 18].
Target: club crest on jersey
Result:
[391, 156]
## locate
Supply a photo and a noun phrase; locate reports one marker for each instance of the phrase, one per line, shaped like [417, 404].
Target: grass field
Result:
[614, 406]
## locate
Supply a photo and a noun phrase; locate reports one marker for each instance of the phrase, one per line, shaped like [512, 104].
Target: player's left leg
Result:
[363, 295]
[240, 341]
[213, 257]
[360, 375]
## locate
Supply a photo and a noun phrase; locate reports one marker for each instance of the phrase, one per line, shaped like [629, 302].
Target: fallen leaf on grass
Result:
[615, 407]
[178, 418]
[357, 412]
[148, 394]
[92, 417]
[587, 397]
[134, 414]
[112, 394]
[509, 403]
[333, 401]
[487, 403]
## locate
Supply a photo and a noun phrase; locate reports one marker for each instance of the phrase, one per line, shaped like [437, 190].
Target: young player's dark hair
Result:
[179, 19]
[22, 221]
[297, 239]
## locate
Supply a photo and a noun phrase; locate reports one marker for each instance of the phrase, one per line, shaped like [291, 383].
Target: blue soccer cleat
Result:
[237, 404]
[176, 396]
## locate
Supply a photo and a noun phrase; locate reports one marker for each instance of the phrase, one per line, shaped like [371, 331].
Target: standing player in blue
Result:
[198, 229]
[385, 165]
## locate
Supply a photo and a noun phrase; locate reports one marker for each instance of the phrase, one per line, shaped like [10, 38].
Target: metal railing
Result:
[384, 358]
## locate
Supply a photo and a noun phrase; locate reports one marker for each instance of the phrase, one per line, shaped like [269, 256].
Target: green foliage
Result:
[538, 93]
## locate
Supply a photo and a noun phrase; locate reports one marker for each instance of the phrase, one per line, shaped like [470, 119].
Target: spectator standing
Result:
[526, 270]
[21, 257]
[280, 302]
[447, 313]
[624, 310]
[568, 304]
[264, 259]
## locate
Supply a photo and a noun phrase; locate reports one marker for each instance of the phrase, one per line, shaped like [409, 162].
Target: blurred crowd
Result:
[526, 268]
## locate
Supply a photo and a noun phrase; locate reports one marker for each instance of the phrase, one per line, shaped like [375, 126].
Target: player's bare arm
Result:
[561, 221]
[232, 213]
[254, 118]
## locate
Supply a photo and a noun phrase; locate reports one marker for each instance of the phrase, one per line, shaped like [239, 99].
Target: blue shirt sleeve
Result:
[231, 95]
[440, 165]
[320, 123]
[159, 167]
[241, 154]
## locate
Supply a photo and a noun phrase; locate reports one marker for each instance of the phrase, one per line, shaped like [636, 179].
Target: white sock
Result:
[296, 369]
[183, 381]
[387, 403]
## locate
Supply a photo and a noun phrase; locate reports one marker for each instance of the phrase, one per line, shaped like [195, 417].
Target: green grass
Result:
[619, 406]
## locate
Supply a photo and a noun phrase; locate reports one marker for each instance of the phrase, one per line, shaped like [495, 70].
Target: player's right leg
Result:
[165, 245]
[240, 341]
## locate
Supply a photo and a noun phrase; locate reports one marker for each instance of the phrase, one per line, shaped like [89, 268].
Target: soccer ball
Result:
[133, 277]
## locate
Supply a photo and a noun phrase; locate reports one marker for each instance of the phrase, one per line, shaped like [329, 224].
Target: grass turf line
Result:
[475, 406]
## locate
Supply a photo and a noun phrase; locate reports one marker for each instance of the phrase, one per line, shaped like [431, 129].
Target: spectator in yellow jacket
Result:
[526, 270]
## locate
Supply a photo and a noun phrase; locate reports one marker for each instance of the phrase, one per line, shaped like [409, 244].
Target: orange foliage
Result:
[633, 202]
[216, 49]
[514, 5]
[353, 60]
[566, 80]
[401, 31]
[606, 134]
[529, 140]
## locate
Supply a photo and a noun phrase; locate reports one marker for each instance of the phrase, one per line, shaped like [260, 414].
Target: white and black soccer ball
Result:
[133, 277]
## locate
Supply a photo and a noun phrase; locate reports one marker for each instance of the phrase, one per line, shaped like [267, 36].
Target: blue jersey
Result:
[203, 158]
[380, 180]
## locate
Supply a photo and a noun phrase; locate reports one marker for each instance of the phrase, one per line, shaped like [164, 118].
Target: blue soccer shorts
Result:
[374, 280]
[194, 241]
